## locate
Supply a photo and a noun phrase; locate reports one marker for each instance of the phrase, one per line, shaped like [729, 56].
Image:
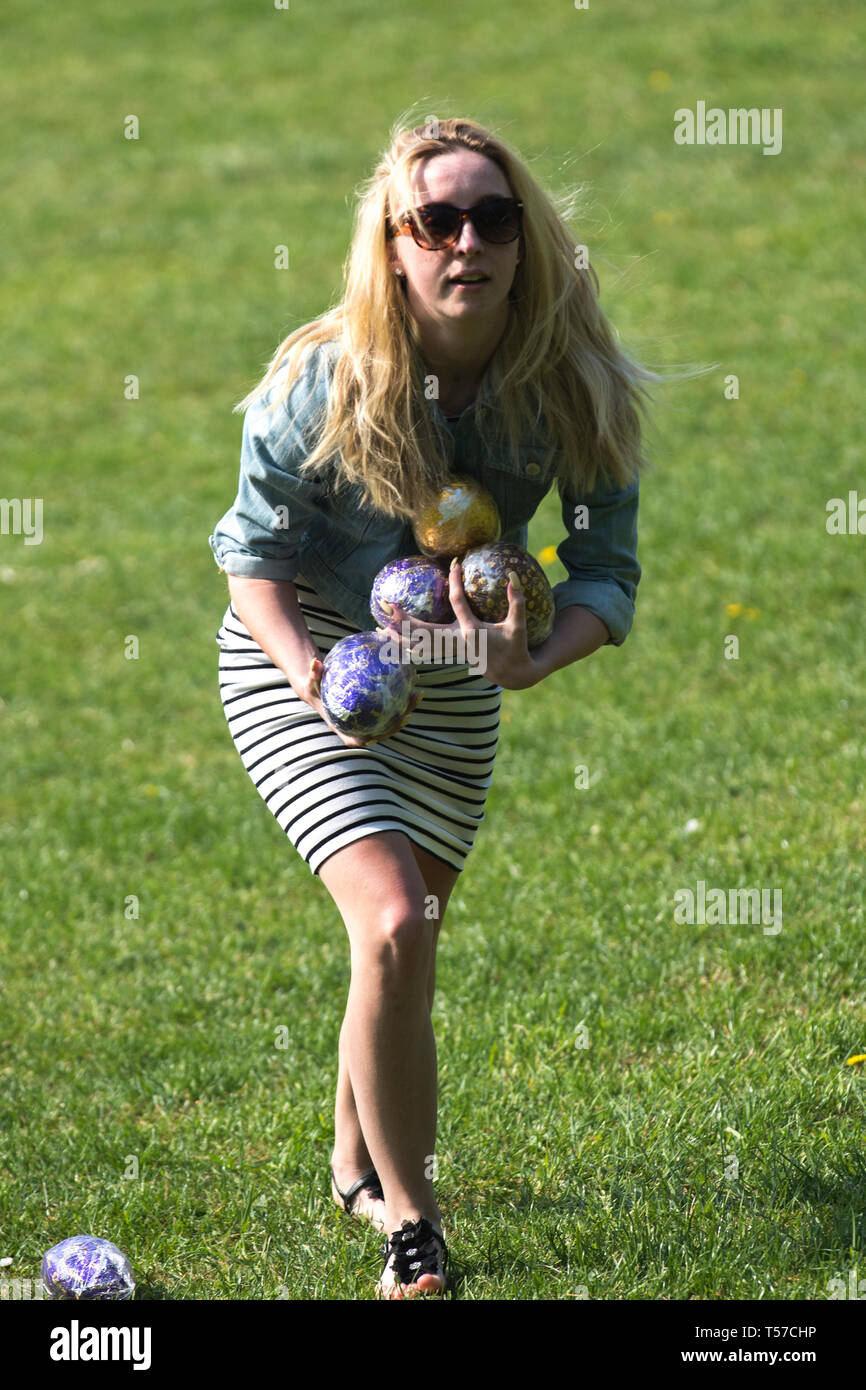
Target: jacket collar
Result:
[487, 392]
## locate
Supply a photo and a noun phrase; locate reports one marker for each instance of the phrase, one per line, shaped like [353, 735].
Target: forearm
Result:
[576, 634]
[269, 610]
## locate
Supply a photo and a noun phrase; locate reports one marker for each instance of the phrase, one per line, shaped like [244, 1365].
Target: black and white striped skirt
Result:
[430, 780]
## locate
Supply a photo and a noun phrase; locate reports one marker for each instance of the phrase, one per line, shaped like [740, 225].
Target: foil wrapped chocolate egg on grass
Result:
[364, 692]
[418, 585]
[463, 515]
[86, 1267]
[485, 583]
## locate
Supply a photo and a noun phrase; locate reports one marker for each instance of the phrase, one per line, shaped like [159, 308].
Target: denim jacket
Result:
[282, 525]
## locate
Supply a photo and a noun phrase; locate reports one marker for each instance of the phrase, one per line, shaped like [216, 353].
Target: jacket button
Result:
[533, 467]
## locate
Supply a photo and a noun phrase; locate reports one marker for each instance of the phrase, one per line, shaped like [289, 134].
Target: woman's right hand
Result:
[311, 692]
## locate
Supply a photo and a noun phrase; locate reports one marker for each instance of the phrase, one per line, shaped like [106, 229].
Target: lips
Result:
[470, 278]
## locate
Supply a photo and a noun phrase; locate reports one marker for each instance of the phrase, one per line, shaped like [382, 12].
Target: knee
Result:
[400, 946]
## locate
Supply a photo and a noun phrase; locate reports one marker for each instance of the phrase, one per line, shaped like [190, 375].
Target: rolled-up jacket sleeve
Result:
[601, 557]
[259, 534]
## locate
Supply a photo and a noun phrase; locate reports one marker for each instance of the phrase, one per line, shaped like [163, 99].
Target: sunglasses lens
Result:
[498, 222]
[437, 225]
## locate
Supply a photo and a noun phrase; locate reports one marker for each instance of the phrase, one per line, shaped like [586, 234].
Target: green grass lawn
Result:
[629, 1108]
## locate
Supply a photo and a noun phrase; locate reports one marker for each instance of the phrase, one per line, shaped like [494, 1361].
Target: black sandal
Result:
[416, 1249]
[347, 1200]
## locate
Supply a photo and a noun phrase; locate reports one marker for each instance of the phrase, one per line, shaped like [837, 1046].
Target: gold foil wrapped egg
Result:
[485, 583]
[463, 516]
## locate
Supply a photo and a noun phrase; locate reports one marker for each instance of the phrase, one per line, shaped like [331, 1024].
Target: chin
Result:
[486, 303]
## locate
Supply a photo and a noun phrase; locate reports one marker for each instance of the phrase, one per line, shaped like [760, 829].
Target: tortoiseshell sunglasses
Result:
[437, 226]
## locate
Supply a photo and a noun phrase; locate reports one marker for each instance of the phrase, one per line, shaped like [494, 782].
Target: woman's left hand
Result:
[500, 649]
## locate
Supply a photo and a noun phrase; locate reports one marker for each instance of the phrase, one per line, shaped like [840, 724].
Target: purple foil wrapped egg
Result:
[87, 1267]
[363, 691]
[418, 585]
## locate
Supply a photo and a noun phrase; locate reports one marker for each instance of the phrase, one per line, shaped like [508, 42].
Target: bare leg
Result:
[351, 1158]
[387, 1037]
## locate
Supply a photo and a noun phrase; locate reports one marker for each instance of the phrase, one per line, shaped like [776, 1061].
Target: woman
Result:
[469, 340]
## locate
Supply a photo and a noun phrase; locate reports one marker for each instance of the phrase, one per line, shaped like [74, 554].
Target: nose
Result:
[468, 240]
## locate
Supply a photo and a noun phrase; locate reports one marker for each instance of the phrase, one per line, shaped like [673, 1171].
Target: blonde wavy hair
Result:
[558, 359]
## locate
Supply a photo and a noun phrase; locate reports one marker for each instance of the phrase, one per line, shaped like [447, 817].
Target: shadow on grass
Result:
[152, 1293]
